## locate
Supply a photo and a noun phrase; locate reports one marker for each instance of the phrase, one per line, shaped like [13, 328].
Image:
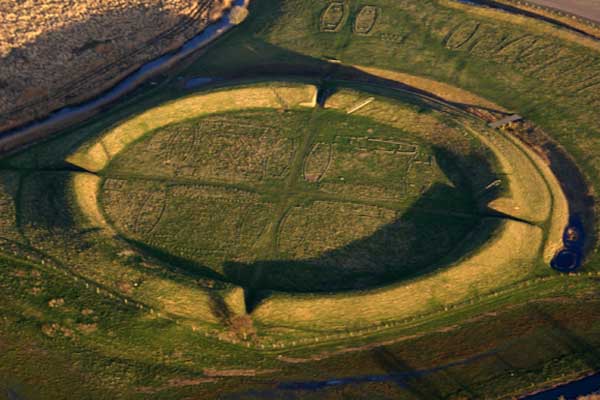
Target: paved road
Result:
[589, 9]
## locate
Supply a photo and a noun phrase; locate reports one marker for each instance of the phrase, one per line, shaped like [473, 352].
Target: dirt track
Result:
[589, 9]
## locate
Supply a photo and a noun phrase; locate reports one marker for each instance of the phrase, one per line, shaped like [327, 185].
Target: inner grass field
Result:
[253, 241]
[276, 191]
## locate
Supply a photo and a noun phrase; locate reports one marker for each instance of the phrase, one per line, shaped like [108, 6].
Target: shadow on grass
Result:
[445, 224]
[407, 246]
[564, 336]
[404, 375]
[427, 383]
[267, 61]
[178, 264]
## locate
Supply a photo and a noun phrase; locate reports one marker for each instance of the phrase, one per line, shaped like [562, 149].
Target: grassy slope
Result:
[435, 299]
[508, 258]
[127, 367]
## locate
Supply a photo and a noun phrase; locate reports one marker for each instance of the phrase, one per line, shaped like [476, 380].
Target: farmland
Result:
[103, 42]
[332, 217]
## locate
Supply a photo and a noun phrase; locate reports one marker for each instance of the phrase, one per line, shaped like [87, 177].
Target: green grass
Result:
[178, 193]
[513, 328]
[406, 184]
[554, 345]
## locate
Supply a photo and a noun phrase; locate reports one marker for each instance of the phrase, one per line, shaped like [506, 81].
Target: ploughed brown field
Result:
[55, 53]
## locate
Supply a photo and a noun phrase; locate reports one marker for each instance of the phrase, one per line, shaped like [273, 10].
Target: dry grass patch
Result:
[184, 301]
[529, 196]
[234, 299]
[87, 329]
[100, 41]
[559, 217]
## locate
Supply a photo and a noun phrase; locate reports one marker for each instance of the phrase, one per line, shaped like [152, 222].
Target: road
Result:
[589, 9]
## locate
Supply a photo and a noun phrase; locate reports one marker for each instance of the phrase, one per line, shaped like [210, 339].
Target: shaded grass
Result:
[144, 218]
[541, 71]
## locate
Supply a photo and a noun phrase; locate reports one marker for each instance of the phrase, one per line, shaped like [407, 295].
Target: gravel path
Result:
[589, 9]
